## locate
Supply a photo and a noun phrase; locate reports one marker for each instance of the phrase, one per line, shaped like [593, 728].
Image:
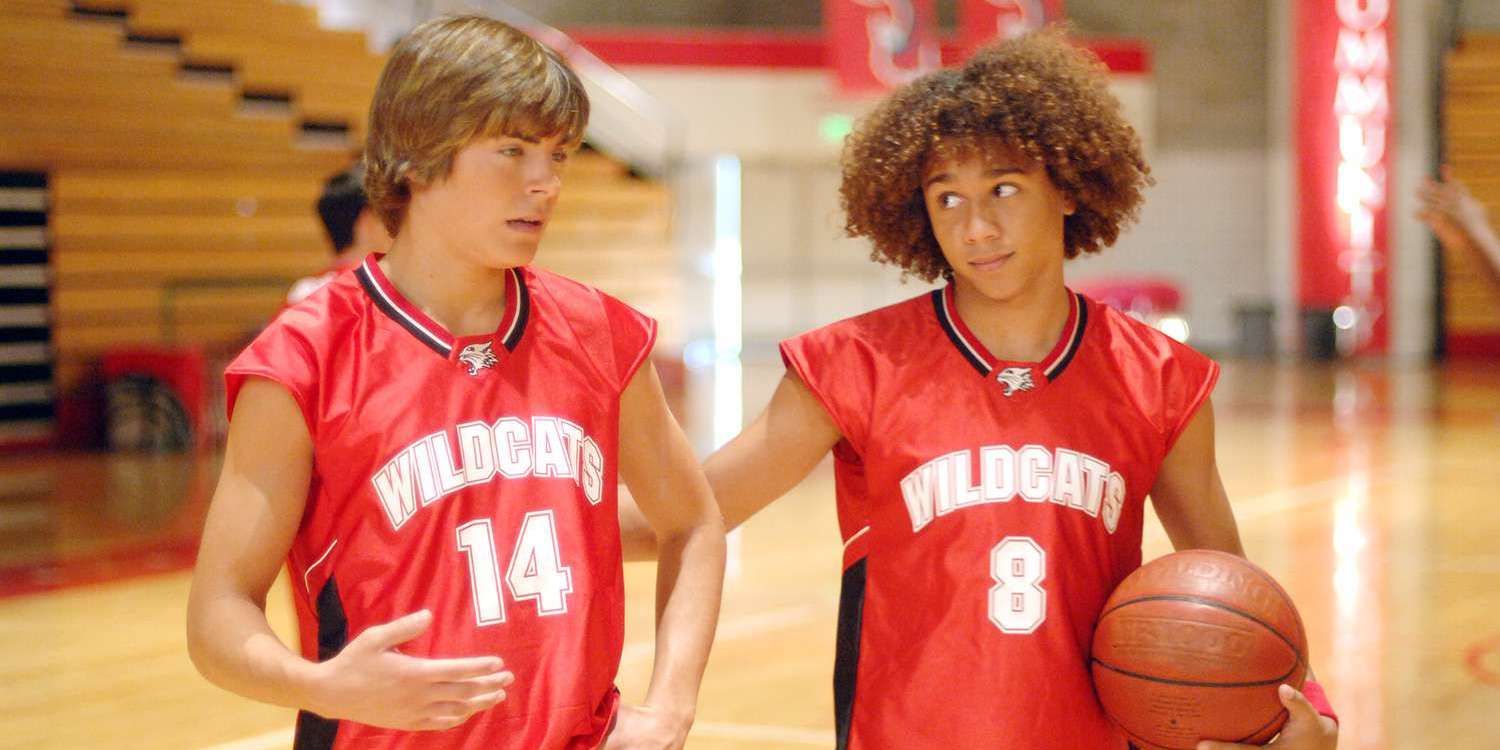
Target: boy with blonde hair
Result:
[431, 442]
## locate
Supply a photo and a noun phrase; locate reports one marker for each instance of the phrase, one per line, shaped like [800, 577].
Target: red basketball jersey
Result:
[472, 476]
[988, 509]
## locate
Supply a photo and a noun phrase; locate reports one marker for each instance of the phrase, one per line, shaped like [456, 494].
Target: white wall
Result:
[1204, 227]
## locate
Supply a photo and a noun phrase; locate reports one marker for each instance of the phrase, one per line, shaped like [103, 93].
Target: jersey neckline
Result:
[428, 331]
[974, 352]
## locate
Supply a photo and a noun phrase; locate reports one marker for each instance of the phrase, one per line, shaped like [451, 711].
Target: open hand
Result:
[373, 683]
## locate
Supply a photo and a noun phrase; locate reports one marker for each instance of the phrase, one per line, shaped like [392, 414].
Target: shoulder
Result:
[1166, 379]
[567, 294]
[323, 313]
[613, 333]
[1131, 343]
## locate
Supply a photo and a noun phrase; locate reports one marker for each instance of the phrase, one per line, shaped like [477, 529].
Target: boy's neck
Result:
[465, 298]
[1023, 328]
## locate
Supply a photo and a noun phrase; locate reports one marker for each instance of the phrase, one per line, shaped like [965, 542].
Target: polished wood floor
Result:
[1369, 492]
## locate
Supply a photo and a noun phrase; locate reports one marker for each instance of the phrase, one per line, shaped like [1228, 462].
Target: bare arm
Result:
[662, 473]
[1189, 495]
[252, 520]
[762, 463]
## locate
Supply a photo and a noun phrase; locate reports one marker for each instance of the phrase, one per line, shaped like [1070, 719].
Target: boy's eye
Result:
[1005, 190]
[947, 200]
[561, 157]
[510, 150]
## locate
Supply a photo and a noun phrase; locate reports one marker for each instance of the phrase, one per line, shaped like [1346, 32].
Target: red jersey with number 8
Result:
[471, 476]
[988, 508]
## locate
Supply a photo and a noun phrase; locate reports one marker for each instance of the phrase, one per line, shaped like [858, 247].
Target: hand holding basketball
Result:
[1305, 729]
[371, 682]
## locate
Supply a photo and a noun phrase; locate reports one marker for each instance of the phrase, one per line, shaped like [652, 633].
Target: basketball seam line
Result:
[1216, 605]
[1191, 683]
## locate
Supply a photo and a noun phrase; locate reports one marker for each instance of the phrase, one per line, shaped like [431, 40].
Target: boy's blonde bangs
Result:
[455, 79]
[556, 104]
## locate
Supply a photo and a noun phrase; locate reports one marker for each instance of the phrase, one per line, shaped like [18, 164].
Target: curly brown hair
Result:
[1040, 95]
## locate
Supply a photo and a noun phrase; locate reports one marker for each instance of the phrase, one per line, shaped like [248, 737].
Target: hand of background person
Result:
[1305, 728]
[1451, 211]
[647, 727]
[372, 682]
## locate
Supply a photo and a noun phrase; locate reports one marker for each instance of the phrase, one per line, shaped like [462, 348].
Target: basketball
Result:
[1192, 646]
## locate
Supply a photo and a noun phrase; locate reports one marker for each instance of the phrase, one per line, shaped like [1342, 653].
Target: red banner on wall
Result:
[874, 45]
[1344, 137]
[982, 20]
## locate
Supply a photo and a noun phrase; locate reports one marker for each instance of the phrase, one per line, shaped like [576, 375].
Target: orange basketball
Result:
[1192, 646]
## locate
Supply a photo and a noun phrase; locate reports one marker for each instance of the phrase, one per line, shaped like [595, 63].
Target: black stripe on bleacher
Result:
[13, 257]
[325, 127]
[23, 218]
[25, 373]
[154, 39]
[207, 68]
[36, 335]
[22, 180]
[103, 14]
[267, 97]
[25, 296]
[27, 412]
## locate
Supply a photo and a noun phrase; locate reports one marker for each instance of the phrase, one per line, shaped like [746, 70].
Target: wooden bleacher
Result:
[179, 215]
[1471, 290]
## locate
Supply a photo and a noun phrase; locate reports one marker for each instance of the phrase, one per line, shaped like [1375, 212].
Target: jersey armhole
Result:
[641, 357]
[794, 362]
[234, 379]
[1196, 403]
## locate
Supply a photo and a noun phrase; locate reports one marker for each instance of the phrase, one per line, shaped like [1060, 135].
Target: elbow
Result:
[200, 631]
[197, 641]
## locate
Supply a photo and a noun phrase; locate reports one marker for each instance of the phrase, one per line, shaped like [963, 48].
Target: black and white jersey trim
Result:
[983, 362]
[391, 309]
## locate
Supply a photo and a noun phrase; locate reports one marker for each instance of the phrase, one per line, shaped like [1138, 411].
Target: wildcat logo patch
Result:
[1015, 379]
[478, 357]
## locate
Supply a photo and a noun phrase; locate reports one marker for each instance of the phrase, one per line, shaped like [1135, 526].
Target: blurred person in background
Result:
[353, 228]
[1460, 221]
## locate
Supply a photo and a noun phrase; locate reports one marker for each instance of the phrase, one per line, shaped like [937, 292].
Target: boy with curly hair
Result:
[994, 441]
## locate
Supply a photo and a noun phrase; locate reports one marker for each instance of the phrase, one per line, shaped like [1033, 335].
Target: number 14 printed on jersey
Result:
[535, 573]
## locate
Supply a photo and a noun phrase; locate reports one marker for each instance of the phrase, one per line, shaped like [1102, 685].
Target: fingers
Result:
[1446, 172]
[1296, 703]
[440, 723]
[481, 702]
[467, 689]
[455, 670]
[397, 631]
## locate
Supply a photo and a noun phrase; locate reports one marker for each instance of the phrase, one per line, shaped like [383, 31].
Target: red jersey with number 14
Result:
[472, 476]
[988, 509]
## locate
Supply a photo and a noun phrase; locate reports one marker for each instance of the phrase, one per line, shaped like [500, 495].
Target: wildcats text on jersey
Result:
[1032, 472]
[429, 469]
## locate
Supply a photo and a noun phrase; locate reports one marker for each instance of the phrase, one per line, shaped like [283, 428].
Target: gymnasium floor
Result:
[1368, 492]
